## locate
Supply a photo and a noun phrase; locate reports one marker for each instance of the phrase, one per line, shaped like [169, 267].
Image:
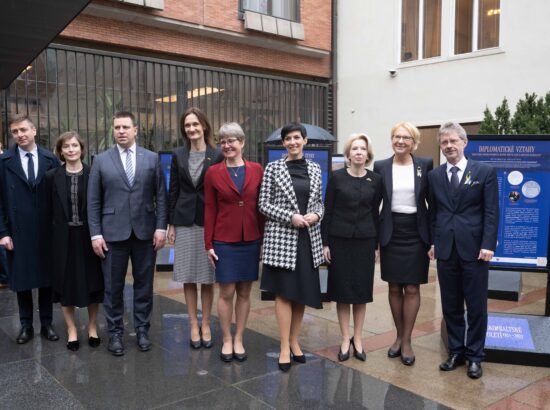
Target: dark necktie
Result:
[30, 169]
[454, 179]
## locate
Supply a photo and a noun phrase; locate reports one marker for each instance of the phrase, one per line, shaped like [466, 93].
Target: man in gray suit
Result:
[127, 219]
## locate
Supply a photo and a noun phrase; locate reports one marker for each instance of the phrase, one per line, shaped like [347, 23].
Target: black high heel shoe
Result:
[300, 359]
[196, 344]
[361, 356]
[284, 367]
[207, 344]
[342, 357]
[73, 345]
[94, 341]
[392, 354]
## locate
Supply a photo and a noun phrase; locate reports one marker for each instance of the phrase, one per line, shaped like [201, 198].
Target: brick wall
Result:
[223, 14]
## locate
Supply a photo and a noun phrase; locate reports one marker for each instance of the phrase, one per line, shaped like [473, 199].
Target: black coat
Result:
[185, 200]
[349, 212]
[24, 216]
[59, 205]
[421, 168]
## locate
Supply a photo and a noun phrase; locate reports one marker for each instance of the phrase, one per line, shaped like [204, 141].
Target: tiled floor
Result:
[46, 375]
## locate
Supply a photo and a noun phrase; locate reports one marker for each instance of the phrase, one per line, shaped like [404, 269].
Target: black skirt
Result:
[405, 259]
[79, 273]
[301, 285]
[351, 271]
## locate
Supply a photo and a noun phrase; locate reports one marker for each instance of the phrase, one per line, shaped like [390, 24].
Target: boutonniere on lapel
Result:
[368, 179]
[468, 180]
[419, 171]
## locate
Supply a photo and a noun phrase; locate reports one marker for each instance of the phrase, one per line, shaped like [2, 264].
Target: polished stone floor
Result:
[46, 375]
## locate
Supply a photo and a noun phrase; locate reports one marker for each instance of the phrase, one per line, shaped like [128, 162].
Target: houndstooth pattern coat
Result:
[278, 203]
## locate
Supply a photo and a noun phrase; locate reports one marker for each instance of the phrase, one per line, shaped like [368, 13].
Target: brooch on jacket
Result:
[419, 172]
[468, 180]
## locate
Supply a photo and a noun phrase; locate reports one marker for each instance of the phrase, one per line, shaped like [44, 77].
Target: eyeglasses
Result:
[229, 141]
[405, 138]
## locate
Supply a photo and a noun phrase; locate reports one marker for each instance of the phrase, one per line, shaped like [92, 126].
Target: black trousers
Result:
[24, 300]
[115, 266]
[464, 281]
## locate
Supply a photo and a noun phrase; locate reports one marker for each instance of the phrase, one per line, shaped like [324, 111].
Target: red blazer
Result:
[230, 216]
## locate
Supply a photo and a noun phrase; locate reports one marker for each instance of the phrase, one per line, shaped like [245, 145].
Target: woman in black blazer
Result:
[186, 220]
[350, 230]
[76, 276]
[404, 233]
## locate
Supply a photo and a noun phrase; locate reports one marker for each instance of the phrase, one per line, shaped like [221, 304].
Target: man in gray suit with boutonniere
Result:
[127, 219]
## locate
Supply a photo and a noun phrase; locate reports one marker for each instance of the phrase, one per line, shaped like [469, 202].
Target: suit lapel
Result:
[115, 157]
[61, 188]
[13, 163]
[388, 178]
[228, 180]
[417, 170]
[209, 158]
[285, 182]
[313, 184]
[462, 187]
[86, 171]
[43, 165]
[247, 174]
[140, 159]
[184, 160]
[445, 183]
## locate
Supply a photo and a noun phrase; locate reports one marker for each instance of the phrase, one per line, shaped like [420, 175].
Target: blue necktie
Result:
[129, 167]
[30, 170]
[454, 179]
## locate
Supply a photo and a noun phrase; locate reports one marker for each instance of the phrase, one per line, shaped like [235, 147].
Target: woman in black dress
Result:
[350, 230]
[404, 233]
[290, 198]
[77, 279]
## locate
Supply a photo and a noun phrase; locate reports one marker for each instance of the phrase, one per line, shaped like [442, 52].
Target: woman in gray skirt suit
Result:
[186, 220]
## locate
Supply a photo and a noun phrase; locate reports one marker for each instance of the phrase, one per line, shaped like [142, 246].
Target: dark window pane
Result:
[489, 22]
[409, 30]
[463, 26]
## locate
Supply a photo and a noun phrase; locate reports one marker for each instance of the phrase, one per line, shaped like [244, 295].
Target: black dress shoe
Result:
[299, 359]
[227, 358]
[453, 361]
[26, 334]
[474, 370]
[240, 357]
[408, 361]
[143, 341]
[73, 345]
[394, 353]
[361, 356]
[94, 341]
[115, 345]
[49, 333]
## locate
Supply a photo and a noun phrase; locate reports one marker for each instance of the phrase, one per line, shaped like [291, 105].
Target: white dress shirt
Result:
[25, 160]
[461, 167]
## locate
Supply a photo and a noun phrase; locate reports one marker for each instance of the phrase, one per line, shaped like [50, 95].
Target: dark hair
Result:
[203, 119]
[66, 136]
[291, 127]
[14, 119]
[125, 114]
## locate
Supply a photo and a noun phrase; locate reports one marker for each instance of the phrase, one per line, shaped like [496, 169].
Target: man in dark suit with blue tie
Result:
[127, 220]
[464, 210]
[25, 226]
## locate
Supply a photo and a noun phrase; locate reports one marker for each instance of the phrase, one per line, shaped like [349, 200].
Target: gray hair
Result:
[231, 129]
[450, 128]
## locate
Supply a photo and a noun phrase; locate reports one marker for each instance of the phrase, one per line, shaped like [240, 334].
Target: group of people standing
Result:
[224, 214]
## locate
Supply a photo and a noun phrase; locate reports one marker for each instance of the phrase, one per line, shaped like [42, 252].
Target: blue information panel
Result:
[165, 161]
[318, 155]
[523, 171]
[506, 332]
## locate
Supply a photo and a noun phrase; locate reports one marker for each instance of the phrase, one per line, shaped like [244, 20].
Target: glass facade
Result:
[67, 88]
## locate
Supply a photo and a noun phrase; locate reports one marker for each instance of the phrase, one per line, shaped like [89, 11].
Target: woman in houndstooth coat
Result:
[290, 198]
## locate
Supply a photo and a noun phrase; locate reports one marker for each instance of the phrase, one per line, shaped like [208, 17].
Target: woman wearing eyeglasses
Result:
[186, 220]
[404, 233]
[233, 229]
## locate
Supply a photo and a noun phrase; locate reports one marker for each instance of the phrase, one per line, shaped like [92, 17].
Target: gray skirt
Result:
[190, 261]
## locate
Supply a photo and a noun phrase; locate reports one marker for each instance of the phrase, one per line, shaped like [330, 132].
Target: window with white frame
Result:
[284, 9]
[420, 29]
[476, 25]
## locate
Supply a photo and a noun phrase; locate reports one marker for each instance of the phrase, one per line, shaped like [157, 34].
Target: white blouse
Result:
[403, 200]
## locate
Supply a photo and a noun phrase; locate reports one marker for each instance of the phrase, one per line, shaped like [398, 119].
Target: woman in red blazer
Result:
[233, 230]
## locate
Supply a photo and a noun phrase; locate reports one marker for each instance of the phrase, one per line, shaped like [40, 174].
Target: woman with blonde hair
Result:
[350, 230]
[404, 233]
